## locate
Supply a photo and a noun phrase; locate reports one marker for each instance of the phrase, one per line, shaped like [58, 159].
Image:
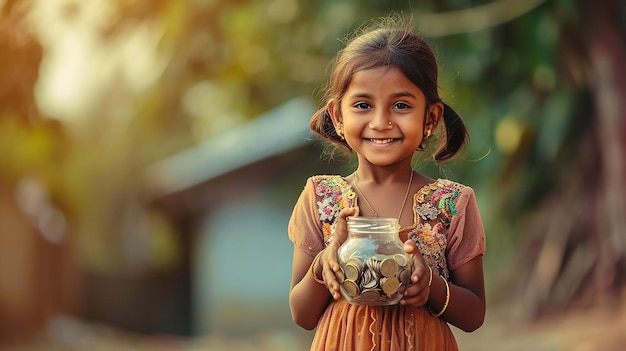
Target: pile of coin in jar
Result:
[374, 279]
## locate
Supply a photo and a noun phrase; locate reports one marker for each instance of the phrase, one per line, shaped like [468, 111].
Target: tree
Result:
[575, 250]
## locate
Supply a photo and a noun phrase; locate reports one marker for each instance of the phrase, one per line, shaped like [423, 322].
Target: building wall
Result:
[242, 267]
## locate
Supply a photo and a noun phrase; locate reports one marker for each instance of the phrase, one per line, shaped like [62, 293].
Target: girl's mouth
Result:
[381, 141]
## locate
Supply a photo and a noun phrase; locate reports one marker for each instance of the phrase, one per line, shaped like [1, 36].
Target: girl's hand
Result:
[329, 259]
[417, 293]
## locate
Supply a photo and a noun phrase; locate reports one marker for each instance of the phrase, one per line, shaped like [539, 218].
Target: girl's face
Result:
[384, 116]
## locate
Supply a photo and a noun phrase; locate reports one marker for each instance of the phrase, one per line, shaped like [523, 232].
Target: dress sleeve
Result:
[466, 236]
[305, 228]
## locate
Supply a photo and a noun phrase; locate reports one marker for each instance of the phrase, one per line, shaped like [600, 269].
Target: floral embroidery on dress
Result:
[333, 194]
[427, 211]
[442, 198]
[435, 208]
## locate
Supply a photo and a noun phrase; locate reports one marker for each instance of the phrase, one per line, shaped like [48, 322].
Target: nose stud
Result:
[372, 124]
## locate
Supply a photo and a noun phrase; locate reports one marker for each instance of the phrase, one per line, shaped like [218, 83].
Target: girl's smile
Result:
[381, 141]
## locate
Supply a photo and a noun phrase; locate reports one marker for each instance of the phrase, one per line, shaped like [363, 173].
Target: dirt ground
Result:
[596, 330]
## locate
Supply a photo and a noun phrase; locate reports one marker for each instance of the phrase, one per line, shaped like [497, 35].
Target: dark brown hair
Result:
[390, 43]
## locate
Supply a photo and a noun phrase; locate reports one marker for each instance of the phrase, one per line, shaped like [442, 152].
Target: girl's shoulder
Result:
[441, 188]
[328, 178]
[450, 184]
[442, 198]
[329, 185]
[332, 193]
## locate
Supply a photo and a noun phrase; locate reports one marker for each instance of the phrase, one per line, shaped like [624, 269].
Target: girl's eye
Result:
[401, 106]
[362, 105]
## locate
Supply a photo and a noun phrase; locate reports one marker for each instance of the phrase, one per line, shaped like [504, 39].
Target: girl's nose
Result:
[381, 122]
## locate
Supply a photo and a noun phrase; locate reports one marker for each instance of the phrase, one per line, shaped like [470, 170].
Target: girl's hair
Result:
[389, 44]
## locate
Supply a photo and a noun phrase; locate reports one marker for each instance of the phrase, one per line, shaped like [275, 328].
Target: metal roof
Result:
[274, 132]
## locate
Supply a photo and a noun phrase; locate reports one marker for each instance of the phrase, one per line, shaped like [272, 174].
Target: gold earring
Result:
[428, 132]
[339, 131]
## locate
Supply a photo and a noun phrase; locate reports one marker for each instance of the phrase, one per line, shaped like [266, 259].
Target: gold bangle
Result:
[430, 279]
[445, 305]
[317, 257]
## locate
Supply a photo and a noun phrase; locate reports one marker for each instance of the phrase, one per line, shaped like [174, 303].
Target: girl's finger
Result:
[410, 247]
[329, 267]
[415, 295]
[341, 231]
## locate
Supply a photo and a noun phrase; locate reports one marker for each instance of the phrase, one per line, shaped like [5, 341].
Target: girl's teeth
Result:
[381, 141]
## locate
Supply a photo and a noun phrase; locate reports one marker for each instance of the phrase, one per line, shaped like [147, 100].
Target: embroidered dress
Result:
[448, 231]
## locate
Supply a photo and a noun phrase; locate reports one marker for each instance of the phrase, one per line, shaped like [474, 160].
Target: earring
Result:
[340, 131]
[428, 132]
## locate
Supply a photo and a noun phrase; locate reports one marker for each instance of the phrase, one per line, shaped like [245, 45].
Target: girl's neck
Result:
[384, 175]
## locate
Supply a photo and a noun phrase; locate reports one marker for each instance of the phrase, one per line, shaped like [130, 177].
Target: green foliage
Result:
[228, 61]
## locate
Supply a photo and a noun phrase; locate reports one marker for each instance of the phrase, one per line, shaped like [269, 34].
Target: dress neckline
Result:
[414, 202]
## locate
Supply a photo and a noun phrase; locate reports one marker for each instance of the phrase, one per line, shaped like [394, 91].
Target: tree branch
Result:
[473, 19]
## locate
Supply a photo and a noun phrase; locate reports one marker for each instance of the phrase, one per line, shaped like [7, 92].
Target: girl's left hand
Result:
[417, 293]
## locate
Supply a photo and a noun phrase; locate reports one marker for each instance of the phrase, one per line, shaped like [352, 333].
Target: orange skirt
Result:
[346, 327]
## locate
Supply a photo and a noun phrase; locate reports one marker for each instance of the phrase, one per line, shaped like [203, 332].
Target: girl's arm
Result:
[465, 293]
[466, 301]
[309, 298]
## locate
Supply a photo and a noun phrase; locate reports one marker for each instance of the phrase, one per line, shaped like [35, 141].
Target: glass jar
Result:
[375, 270]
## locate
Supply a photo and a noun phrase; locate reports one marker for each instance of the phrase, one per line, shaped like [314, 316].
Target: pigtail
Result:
[322, 125]
[456, 134]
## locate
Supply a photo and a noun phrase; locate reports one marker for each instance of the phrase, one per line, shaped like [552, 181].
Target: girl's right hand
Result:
[329, 259]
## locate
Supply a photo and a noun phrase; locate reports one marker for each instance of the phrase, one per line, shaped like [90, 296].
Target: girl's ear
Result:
[434, 115]
[334, 111]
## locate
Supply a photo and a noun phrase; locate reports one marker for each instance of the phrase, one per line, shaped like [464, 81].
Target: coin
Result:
[370, 295]
[373, 264]
[368, 284]
[401, 259]
[352, 270]
[350, 288]
[388, 267]
[389, 285]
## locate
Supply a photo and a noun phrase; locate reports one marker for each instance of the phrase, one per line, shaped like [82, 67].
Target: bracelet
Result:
[445, 305]
[430, 279]
[318, 280]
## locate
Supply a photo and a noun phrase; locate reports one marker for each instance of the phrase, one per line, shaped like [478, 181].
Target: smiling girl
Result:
[383, 104]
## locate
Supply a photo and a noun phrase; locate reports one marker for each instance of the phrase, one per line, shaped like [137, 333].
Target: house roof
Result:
[279, 130]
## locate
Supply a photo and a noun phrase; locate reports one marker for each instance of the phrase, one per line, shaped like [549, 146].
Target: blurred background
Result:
[151, 153]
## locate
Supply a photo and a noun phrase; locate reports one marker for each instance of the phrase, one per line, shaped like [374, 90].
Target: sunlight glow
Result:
[83, 69]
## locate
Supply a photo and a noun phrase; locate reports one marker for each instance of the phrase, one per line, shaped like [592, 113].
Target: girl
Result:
[383, 104]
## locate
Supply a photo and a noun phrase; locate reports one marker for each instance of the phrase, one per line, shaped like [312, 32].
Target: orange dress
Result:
[448, 231]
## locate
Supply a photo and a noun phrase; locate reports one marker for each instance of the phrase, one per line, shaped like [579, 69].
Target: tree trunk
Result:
[576, 254]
